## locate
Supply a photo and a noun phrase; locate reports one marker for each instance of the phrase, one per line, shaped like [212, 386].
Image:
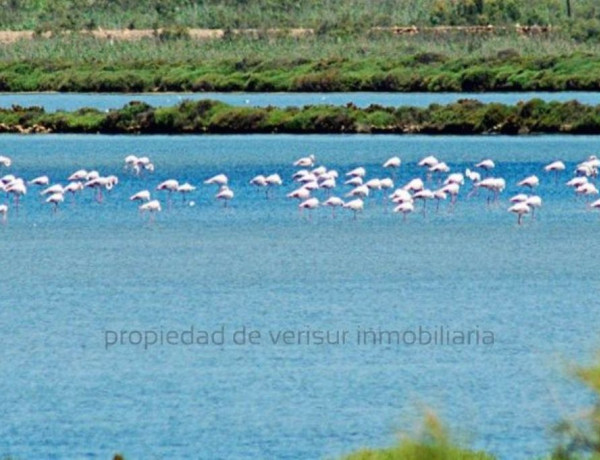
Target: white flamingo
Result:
[520, 209]
[79, 175]
[219, 179]
[405, 208]
[355, 206]
[185, 189]
[333, 202]
[311, 203]
[393, 162]
[531, 182]
[55, 199]
[5, 161]
[357, 172]
[143, 195]
[41, 180]
[225, 194]
[534, 202]
[152, 207]
[305, 162]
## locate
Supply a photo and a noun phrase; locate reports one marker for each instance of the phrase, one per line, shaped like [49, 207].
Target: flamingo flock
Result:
[315, 186]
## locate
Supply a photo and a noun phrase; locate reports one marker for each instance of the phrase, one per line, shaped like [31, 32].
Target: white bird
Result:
[354, 206]
[333, 202]
[319, 171]
[5, 161]
[56, 188]
[556, 166]
[400, 196]
[41, 180]
[577, 182]
[424, 195]
[73, 187]
[259, 181]
[439, 195]
[386, 183]
[171, 185]
[440, 167]
[486, 164]
[225, 194]
[274, 179]
[55, 199]
[520, 209]
[373, 184]
[531, 182]
[80, 174]
[428, 161]
[587, 189]
[393, 162]
[414, 185]
[152, 207]
[311, 203]
[357, 172]
[354, 181]
[100, 183]
[17, 188]
[305, 162]
[521, 197]
[219, 179]
[184, 189]
[405, 208]
[360, 191]
[534, 202]
[92, 175]
[299, 174]
[143, 195]
[328, 184]
[455, 178]
[473, 176]
[453, 188]
[595, 204]
[300, 194]
[494, 184]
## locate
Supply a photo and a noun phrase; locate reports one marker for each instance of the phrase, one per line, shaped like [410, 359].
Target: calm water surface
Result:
[68, 278]
[73, 101]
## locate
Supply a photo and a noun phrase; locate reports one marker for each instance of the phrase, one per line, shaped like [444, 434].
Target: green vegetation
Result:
[206, 116]
[433, 443]
[323, 15]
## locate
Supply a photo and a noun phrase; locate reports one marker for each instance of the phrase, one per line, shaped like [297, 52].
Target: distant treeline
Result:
[465, 117]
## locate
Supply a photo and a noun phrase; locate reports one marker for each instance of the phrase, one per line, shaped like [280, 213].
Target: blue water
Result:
[69, 277]
[73, 101]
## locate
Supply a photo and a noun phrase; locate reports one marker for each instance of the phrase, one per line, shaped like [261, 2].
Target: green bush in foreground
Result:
[432, 444]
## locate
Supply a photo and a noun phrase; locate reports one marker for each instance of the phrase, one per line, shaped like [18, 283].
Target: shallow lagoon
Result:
[69, 277]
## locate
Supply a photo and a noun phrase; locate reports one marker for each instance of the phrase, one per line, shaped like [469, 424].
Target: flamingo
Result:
[455, 178]
[354, 206]
[5, 161]
[55, 199]
[300, 194]
[41, 180]
[56, 188]
[577, 182]
[273, 180]
[170, 185]
[439, 195]
[520, 209]
[333, 202]
[521, 197]
[428, 161]
[354, 181]
[73, 187]
[360, 191]
[311, 203]
[595, 204]
[587, 189]
[225, 194]
[486, 165]
[143, 195]
[305, 162]
[219, 179]
[319, 171]
[531, 182]
[494, 185]
[99, 183]
[424, 195]
[18, 188]
[92, 175]
[393, 162]
[414, 185]
[534, 202]
[152, 207]
[400, 196]
[405, 208]
[556, 167]
[78, 175]
[357, 172]
[184, 189]
[453, 188]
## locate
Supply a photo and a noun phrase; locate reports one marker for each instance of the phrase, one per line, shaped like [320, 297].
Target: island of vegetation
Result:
[466, 116]
[286, 45]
